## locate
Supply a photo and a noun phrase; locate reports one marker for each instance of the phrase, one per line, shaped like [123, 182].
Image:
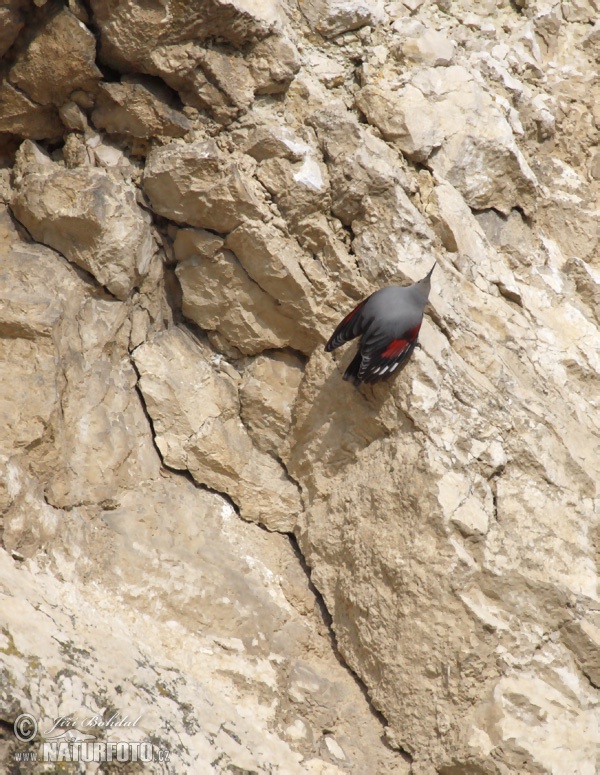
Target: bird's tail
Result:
[351, 373]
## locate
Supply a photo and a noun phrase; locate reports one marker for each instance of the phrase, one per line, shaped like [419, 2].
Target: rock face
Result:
[180, 46]
[203, 527]
[443, 115]
[198, 185]
[88, 216]
[138, 110]
[42, 70]
[195, 413]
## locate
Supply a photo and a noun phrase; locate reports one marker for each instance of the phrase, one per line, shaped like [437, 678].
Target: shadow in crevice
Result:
[328, 622]
[341, 420]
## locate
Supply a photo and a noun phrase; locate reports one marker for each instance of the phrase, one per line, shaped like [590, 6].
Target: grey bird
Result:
[388, 322]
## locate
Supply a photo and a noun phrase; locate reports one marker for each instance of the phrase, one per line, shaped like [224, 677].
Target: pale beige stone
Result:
[267, 394]
[91, 218]
[273, 63]
[330, 72]
[198, 185]
[195, 414]
[230, 73]
[580, 10]
[59, 60]
[134, 109]
[332, 17]
[539, 711]
[222, 79]
[30, 311]
[475, 149]
[229, 631]
[272, 141]
[255, 323]
[73, 117]
[277, 265]
[432, 49]
[68, 393]
[369, 193]
[412, 124]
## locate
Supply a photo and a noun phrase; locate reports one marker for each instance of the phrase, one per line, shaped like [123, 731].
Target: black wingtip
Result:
[351, 373]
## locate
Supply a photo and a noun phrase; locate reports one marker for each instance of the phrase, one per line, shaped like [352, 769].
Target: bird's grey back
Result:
[400, 308]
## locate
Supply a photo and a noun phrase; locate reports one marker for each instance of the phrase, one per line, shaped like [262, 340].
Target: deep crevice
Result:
[328, 622]
[182, 472]
[319, 600]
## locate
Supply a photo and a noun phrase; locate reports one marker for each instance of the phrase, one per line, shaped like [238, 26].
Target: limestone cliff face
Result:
[202, 524]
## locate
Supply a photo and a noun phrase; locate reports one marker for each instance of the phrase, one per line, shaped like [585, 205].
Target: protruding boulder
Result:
[198, 185]
[277, 265]
[24, 118]
[138, 110]
[60, 58]
[89, 216]
[195, 413]
[333, 17]
[410, 121]
[210, 277]
[273, 63]
[248, 52]
[129, 32]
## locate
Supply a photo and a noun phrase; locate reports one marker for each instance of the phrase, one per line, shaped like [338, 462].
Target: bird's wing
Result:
[350, 327]
[381, 357]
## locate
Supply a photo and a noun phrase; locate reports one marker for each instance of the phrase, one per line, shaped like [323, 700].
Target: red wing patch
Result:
[395, 348]
[349, 317]
[380, 365]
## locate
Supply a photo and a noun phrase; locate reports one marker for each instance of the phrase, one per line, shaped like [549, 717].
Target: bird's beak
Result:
[431, 271]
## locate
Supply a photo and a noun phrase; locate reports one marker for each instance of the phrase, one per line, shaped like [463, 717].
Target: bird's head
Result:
[424, 286]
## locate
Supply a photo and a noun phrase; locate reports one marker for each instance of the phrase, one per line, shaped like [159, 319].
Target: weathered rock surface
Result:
[209, 276]
[24, 118]
[136, 109]
[267, 394]
[214, 77]
[196, 184]
[89, 216]
[90, 523]
[195, 416]
[69, 393]
[446, 117]
[11, 23]
[228, 661]
[449, 519]
[332, 17]
[42, 70]
[429, 48]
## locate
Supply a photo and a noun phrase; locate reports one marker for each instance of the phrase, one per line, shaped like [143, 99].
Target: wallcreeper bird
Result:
[388, 322]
